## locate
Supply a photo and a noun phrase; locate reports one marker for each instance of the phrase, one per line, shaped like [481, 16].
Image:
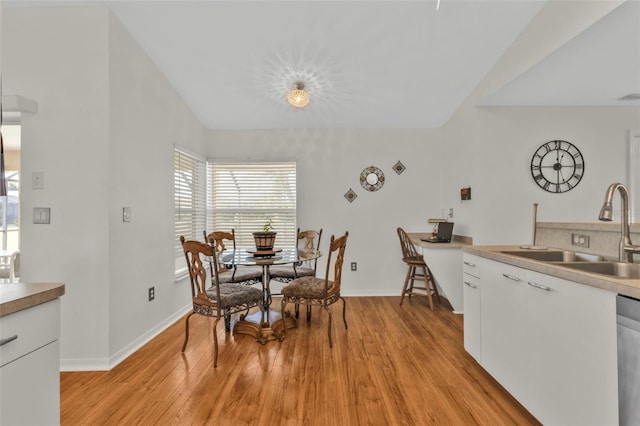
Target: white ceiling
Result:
[366, 64]
[598, 67]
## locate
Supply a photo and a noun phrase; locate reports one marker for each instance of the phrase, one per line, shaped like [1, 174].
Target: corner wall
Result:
[103, 136]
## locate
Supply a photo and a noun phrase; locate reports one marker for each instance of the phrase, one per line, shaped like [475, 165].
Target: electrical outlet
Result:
[354, 266]
[580, 240]
[152, 293]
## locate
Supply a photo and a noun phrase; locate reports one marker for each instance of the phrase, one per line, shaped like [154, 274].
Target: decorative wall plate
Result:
[350, 195]
[399, 167]
[372, 178]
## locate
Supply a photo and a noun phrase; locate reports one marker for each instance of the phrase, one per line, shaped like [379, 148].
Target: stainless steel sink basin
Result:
[613, 269]
[555, 256]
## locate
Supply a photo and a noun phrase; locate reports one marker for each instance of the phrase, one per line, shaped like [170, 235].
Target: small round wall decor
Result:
[557, 166]
[372, 178]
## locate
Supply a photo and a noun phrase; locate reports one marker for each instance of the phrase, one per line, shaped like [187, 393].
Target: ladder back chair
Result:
[219, 299]
[320, 291]
[418, 271]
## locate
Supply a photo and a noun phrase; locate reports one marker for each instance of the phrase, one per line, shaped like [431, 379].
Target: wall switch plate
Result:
[42, 215]
[580, 240]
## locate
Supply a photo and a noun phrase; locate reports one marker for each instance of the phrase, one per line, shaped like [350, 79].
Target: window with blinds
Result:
[243, 196]
[189, 201]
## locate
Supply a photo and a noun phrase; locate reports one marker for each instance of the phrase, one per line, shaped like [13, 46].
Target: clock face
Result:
[557, 166]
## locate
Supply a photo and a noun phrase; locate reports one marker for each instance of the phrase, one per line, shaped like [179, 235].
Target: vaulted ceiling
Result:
[368, 64]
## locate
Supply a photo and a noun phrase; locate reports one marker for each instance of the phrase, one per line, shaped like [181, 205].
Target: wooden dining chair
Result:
[418, 270]
[306, 240]
[248, 275]
[323, 292]
[213, 298]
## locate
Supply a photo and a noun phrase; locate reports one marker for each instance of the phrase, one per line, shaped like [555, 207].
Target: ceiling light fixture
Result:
[298, 97]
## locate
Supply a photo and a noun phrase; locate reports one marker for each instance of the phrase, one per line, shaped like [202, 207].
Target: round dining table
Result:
[272, 327]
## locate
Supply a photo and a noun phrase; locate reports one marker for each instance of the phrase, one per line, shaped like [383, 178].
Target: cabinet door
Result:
[472, 331]
[30, 388]
[503, 326]
[572, 341]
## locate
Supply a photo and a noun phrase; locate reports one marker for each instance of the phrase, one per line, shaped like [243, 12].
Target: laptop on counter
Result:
[445, 231]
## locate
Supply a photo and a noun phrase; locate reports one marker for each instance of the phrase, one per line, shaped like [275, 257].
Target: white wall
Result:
[505, 141]
[147, 118]
[104, 133]
[489, 149]
[67, 140]
[329, 162]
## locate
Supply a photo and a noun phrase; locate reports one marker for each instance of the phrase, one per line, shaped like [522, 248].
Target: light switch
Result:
[37, 180]
[41, 215]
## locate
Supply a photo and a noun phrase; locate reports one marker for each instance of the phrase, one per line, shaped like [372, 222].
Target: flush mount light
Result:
[298, 97]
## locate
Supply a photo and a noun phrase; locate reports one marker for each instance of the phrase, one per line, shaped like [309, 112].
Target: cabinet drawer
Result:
[470, 266]
[471, 282]
[27, 330]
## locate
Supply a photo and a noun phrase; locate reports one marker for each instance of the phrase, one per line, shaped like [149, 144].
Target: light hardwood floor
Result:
[395, 365]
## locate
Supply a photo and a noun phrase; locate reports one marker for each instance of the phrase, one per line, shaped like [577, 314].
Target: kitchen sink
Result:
[555, 256]
[613, 269]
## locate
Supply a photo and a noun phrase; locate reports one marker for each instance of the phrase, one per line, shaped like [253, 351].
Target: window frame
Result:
[189, 198]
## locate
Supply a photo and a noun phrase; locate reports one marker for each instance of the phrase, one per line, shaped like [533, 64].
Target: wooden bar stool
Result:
[418, 270]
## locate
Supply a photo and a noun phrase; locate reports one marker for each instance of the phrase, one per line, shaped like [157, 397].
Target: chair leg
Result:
[227, 322]
[297, 310]
[283, 304]
[344, 312]
[412, 280]
[328, 309]
[186, 332]
[215, 343]
[406, 282]
[308, 313]
[433, 283]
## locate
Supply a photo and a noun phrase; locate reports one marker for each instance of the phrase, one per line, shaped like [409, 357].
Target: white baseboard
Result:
[106, 364]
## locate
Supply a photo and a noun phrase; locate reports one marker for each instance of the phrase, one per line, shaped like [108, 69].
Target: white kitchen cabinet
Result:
[30, 366]
[551, 343]
[471, 298]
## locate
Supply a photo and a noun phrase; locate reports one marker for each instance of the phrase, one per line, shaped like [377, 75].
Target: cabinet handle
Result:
[8, 340]
[540, 286]
[511, 277]
[470, 264]
[470, 285]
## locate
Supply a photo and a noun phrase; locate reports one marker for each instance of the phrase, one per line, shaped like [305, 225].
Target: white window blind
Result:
[189, 201]
[243, 196]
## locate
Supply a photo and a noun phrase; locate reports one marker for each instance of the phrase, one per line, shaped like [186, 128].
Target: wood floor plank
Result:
[395, 365]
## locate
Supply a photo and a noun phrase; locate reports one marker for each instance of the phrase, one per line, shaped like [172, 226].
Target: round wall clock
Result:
[372, 178]
[557, 166]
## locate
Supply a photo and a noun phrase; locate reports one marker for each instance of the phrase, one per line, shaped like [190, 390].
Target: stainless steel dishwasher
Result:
[628, 360]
